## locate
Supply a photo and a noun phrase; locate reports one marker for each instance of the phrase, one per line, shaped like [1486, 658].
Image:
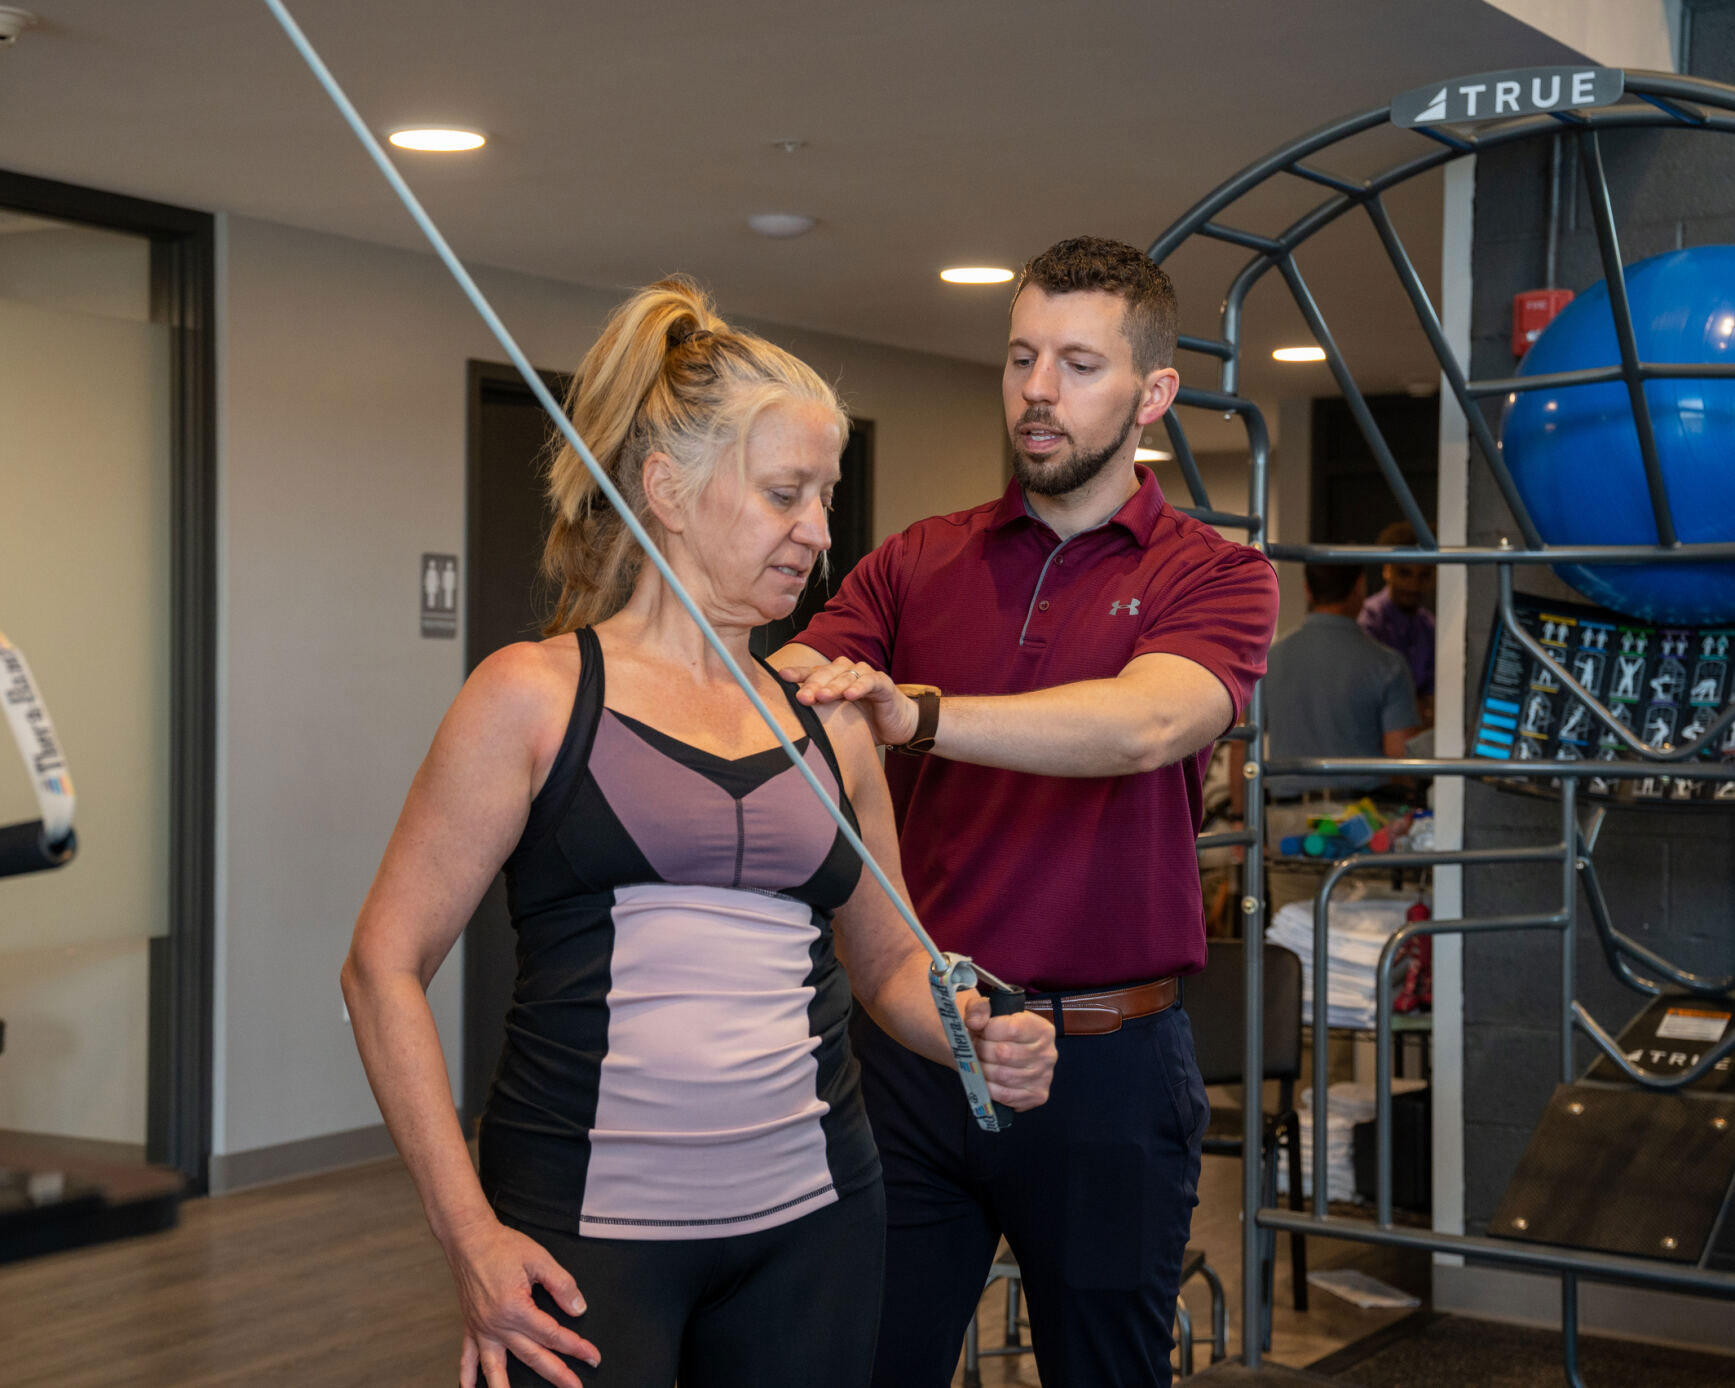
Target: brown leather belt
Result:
[1097, 1014]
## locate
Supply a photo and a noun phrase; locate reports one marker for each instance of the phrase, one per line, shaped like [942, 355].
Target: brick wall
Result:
[1669, 873]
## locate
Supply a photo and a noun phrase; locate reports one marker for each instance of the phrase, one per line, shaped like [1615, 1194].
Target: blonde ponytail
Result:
[667, 375]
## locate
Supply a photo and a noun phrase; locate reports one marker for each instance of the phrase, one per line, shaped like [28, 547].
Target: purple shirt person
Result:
[1395, 616]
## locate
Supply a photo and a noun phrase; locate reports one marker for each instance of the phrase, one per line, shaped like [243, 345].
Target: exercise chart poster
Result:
[1666, 683]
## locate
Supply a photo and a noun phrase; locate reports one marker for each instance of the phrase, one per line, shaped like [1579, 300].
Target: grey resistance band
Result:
[947, 973]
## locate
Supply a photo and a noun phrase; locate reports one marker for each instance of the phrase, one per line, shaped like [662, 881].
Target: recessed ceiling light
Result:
[975, 274]
[1299, 354]
[781, 224]
[440, 141]
[1151, 455]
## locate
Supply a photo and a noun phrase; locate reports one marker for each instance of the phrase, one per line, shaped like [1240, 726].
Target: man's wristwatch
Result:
[927, 722]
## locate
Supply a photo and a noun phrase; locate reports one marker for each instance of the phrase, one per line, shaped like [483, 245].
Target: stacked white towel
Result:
[1359, 929]
[1351, 1102]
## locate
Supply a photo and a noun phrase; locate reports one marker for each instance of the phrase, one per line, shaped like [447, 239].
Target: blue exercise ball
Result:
[1574, 452]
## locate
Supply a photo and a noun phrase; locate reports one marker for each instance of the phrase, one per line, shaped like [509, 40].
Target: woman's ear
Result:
[661, 493]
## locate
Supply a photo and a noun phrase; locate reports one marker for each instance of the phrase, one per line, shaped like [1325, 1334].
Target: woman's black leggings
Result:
[788, 1307]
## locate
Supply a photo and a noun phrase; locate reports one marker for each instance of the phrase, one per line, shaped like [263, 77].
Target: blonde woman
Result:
[677, 1177]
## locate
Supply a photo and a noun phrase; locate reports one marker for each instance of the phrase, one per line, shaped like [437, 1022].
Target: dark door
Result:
[1352, 501]
[507, 601]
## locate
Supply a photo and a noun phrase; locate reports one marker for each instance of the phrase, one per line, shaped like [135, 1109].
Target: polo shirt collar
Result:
[1137, 516]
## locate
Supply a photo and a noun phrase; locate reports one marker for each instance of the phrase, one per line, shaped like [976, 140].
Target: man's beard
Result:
[1065, 474]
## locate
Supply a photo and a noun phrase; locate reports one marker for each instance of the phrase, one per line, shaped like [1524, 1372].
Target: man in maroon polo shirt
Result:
[1067, 656]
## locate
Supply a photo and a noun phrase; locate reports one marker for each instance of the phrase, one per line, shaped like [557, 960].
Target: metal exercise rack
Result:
[1652, 100]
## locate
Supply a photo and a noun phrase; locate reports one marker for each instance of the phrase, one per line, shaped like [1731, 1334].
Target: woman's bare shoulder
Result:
[528, 683]
[848, 729]
[530, 662]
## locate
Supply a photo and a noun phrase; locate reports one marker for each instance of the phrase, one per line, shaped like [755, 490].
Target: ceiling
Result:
[630, 140]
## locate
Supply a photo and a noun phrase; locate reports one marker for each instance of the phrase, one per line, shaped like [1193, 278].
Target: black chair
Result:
[1215, 1006]
[1193, 1264]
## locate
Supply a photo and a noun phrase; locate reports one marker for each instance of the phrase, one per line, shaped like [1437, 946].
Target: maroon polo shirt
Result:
[1054, 882]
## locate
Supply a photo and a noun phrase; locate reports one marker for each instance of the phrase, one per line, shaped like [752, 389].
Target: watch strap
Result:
[927, 723]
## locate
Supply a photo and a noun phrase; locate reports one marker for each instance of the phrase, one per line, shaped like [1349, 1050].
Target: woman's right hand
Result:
[496, 1269]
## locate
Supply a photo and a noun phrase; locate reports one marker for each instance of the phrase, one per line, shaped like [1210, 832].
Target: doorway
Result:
[507, 600]
[1351, 501]
[110, 326]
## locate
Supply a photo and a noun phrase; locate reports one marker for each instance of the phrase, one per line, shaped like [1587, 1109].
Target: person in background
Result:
[1397, 616]
[1331, 690]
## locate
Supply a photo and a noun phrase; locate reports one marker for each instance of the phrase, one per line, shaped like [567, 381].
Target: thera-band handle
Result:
[1004, 1002]
[26, 848]
[943, 964]
[47, 842]
[1003, 999]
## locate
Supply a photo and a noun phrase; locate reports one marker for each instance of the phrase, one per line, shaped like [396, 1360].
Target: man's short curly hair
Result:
[1152, 317]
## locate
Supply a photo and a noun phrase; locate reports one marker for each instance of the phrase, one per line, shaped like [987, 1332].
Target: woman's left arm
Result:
[887, 966]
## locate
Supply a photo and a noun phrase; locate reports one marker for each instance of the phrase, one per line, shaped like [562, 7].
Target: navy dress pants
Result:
[1094, 1191]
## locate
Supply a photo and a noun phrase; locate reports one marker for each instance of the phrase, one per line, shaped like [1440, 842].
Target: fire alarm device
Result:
[1532, 311]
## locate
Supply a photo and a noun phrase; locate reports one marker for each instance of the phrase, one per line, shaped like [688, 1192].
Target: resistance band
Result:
[47, 842]
[948, 972]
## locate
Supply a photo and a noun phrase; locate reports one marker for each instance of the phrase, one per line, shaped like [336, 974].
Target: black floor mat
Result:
[1434, 1349]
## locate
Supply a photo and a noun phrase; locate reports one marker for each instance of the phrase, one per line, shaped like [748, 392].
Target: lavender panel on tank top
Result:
[707, 1118]
[687, 826]
[788, 835]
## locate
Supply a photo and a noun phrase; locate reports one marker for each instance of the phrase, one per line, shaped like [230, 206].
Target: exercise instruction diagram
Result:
[439, 584]
[1665, 683]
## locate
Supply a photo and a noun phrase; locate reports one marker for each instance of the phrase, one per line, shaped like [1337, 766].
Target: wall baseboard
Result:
[1628, 1313]
[306, 1157]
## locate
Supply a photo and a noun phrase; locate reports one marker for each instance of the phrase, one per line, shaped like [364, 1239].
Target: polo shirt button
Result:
[1042, 606]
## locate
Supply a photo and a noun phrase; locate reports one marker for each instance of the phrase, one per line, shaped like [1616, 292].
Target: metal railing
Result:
[1652, 101]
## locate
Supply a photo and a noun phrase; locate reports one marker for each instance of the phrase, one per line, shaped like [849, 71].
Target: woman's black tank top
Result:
[676, 1061]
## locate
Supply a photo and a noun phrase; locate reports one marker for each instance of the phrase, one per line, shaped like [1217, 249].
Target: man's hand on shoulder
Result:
[852, 739]
[890, 711]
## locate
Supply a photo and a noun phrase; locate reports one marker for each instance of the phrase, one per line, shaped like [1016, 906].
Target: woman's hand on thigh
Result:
[497, 1270]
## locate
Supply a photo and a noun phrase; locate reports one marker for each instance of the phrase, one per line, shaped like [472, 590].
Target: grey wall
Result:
[343, 459]
[343, 400]
[1668, 872]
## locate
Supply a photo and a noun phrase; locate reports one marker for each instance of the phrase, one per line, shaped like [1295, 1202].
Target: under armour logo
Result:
[1116, 607]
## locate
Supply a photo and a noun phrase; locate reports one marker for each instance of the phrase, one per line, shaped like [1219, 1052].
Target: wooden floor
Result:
[331, 1280]
[334, 1280]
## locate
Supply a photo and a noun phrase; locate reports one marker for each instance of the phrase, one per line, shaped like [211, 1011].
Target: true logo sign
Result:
[1116, 608]
[1524, 91]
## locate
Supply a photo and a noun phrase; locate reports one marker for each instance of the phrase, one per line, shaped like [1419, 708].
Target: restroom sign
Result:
[1520, 91]
[438, 581]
